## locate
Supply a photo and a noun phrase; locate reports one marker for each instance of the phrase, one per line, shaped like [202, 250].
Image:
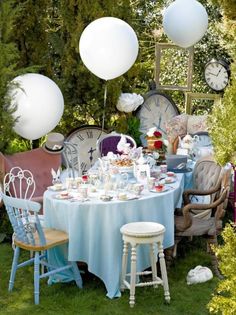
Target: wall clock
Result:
[85, 139]
[156, 110]
[217, 73]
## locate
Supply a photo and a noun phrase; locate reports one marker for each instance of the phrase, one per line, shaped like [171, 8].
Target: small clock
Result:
[156, 110]
[85, 139]
[217, 73]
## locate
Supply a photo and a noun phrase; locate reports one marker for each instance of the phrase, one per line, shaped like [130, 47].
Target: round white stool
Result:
[143, 233]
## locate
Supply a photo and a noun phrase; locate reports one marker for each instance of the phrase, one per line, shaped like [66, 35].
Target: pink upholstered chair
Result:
[38, 161]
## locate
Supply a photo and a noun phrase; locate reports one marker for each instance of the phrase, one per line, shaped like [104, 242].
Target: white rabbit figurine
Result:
[56, 176]
[198, 275]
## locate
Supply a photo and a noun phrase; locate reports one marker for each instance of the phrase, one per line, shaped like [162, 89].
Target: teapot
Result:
[188, 142]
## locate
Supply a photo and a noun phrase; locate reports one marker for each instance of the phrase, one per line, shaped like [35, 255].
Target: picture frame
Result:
[190, 96]
[160, 49]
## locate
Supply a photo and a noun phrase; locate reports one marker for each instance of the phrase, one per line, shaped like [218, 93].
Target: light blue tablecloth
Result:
[94, 230]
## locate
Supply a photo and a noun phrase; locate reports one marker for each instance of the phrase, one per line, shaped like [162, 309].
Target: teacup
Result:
[83, 191]
[163, 168]
[151, 182]
[138, 188]
[159, 187]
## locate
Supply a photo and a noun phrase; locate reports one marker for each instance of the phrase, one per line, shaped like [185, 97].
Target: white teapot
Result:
[188, 142]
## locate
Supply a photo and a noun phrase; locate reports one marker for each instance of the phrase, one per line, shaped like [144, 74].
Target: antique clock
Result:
[84, 139]
[156, 110]
[217, 73]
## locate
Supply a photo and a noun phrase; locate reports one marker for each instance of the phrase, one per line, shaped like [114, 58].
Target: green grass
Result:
[67, 299]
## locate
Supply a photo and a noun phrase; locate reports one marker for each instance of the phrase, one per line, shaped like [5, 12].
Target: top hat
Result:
[54, 143]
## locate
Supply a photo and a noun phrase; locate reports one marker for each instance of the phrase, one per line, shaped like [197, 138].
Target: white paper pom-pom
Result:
[128, 102]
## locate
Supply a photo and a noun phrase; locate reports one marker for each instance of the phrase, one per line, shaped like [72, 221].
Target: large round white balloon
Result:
[39, 104]
[185, 22]
[108, 47]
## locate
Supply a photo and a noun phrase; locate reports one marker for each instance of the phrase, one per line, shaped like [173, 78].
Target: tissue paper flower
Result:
[128, 102]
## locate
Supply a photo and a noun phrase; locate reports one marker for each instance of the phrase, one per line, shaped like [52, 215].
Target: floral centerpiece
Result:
[155, 142]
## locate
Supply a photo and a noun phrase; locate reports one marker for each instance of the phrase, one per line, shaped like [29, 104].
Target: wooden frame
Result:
[189, 70]
[189, 96]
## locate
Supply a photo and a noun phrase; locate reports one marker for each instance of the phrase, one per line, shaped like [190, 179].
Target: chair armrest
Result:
[190, 192]
[197, 206]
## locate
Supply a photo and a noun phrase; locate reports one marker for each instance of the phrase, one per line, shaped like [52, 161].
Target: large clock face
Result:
[217, 75]
[84, 139]
[156, 110]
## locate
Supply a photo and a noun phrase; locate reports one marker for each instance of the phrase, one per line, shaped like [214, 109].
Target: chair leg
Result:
[133, 276]
[36, 278]
[124, 266]
[163, 272]
[14, 268]
[213, 241]
[153, 263]
[77, 275]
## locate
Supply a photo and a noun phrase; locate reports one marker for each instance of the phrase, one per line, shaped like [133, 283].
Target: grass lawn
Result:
[67, 299]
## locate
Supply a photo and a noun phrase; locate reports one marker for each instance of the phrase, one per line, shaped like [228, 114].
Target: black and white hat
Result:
[54, 143]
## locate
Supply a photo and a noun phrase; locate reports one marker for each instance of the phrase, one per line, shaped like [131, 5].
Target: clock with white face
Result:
[217, 74]
[156, 110]
[85, 139]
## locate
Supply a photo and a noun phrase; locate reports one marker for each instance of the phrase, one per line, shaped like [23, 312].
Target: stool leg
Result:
[163, 272]
[153, 263]
[124, 266]
[133, 276]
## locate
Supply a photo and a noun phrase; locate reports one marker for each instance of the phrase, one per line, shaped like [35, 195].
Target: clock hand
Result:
[213, 74]
[219, 72]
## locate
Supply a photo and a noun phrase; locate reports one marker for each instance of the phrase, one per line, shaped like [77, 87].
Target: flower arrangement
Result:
[155, 141]
[129, 102]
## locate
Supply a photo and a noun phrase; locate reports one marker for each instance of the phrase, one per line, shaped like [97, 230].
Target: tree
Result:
[223, 118]
[9, 57]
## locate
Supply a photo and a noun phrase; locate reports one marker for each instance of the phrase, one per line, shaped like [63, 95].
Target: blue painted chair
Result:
[30, 235]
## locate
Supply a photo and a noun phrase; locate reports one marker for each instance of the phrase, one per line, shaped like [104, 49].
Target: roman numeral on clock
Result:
[81, 138]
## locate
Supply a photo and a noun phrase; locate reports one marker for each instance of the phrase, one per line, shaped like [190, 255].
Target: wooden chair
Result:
[211, 181]
[108, 143]
[31, 236]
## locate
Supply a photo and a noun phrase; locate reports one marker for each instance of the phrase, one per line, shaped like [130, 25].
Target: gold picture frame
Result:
[189, 97]
[160, 48]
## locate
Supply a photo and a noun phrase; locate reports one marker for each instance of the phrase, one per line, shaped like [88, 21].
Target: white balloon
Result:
[185, 22]
[39, 103]
[108, 47]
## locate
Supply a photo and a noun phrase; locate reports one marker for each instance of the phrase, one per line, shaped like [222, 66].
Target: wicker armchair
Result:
[204, 219]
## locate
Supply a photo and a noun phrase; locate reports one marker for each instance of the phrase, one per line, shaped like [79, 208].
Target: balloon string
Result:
[104, 110]
[104, 105]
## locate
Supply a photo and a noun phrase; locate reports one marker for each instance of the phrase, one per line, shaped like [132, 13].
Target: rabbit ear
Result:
[58, 172]
[53, 173]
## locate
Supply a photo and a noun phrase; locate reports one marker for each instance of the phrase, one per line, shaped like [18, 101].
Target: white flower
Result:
[166, 142]
[151, 131]
[128, 102]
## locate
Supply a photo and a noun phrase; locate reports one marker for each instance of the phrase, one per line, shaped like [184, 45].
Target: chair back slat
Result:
[19, 183]
[27, 227]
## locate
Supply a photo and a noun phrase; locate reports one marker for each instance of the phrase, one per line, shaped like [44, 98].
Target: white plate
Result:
[53, 188]
[60, 197]
[159, 192]
[172, 180]
[129, 197]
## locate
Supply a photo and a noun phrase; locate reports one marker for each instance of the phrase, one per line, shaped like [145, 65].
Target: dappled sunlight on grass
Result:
[66, 298]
